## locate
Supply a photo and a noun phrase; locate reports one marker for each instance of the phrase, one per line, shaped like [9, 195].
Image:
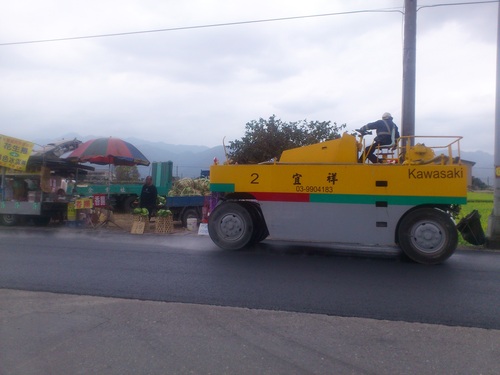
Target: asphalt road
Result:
[81, 302]
[463, 292]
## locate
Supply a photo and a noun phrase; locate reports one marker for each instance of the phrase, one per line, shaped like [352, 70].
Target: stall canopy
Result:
[108, 151]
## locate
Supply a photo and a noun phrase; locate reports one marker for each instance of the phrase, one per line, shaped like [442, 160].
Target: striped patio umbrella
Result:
[108, 151]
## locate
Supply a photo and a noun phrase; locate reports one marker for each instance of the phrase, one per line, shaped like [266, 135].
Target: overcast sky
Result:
[195, 86]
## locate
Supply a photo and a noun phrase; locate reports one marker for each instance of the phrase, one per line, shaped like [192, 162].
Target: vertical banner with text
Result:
[14, 152]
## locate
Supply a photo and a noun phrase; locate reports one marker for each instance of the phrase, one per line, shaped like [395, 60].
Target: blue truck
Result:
[186, 207]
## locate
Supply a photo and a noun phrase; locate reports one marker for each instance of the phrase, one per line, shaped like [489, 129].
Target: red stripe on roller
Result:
[281, 197]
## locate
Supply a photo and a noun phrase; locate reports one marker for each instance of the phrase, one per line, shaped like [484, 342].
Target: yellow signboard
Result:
[14, 152]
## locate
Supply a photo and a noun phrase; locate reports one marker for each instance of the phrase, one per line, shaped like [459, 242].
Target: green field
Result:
[483, 203]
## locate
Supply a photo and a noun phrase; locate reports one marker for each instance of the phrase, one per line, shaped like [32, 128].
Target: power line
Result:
[385, 10]
[388, 10]
[462, 3]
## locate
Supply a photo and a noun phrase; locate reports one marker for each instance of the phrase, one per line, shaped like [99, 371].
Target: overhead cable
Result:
[201, 26]
[386, 10]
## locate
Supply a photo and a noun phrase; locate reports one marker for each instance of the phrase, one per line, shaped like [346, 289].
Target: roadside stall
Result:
[34, 183]
[111, 152]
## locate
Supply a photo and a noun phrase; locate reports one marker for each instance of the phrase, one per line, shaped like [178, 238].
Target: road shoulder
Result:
[58, 333]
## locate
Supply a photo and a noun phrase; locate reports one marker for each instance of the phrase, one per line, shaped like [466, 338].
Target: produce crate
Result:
[144, 224]
[164, 224]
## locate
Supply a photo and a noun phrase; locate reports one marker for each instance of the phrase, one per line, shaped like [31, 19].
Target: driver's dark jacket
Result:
[384, 130]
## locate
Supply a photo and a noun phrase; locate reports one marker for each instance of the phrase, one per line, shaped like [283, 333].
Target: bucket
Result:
[471, 229]
[192, 223]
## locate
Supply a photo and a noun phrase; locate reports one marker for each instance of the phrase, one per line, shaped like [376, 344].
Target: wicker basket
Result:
[164, 224]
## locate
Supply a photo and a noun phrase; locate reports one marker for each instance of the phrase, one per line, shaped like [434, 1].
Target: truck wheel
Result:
[260, 228]
[189, 213]
[8, 219]
[427, 236]
[230, 226]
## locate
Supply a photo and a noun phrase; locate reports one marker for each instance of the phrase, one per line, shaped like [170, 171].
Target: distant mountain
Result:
[188, 161]
[484, 168]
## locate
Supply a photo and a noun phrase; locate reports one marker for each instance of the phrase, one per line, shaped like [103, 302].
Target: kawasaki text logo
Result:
[419, 175]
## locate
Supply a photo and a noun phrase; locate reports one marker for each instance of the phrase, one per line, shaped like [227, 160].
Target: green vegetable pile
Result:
[164, 213]
[140, 211]
[160, 201]
[190, 186]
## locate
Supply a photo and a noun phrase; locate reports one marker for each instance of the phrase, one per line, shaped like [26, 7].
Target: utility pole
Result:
[493, 235]
[409, 69]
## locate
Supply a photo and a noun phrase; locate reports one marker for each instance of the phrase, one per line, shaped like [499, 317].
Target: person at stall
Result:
[148, 197]
[61, 194]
